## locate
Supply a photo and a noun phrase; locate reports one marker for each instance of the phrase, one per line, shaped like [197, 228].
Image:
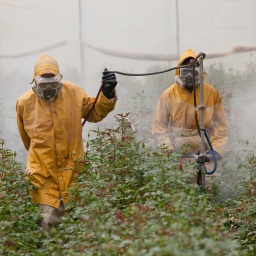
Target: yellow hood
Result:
[46, 64]
[187, 54]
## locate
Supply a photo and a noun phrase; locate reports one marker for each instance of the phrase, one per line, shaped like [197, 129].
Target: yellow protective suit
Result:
[174, 121]
[52, 134]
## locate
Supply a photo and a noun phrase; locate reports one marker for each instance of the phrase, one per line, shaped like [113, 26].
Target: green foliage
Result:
[130, 201]
[18, 216]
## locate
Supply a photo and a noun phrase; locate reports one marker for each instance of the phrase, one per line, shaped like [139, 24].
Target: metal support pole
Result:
[177, 28]
[82, 69]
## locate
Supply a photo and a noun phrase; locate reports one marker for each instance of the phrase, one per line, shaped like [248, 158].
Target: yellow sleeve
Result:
[160, 127]
[219, 136]
[101, 109]
[19, 112]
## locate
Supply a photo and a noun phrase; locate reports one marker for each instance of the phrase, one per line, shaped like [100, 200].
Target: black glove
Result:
[109, 83]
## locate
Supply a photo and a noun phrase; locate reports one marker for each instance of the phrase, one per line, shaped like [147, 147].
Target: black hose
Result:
[213, 153]
[151, 73]
[195, 105]
[193, 63]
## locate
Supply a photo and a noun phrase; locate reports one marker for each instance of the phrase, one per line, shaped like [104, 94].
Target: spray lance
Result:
[201, 158]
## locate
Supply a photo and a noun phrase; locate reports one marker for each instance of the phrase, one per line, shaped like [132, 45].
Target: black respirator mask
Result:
[47, 88]
[185, 79]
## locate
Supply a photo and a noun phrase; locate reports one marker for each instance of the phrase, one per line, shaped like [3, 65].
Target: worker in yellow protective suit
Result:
[49, 121]
[174, 122]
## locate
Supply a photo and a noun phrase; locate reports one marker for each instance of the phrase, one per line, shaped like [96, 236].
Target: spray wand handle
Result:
[200, 54]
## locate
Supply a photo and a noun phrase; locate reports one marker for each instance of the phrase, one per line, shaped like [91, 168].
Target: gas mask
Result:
[47, 88]
[185, 79]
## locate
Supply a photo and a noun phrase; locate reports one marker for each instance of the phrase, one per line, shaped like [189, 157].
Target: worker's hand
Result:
[217, 155]
[109, 83]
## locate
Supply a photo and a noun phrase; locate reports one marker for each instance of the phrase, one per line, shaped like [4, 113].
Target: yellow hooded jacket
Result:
[175, 108]
[52, 134]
